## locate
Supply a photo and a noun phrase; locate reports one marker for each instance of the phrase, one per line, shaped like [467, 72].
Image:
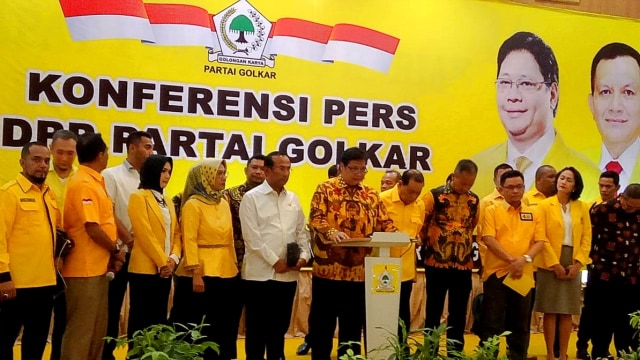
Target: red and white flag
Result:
[214, 35]
[267, 46]
[300, 39]
[107, 19]
[361, 46]
[180, 25]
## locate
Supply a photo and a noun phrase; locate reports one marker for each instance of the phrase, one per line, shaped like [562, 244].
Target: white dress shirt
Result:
[121, 181]
[627, 160]
[535, 153]
[269, 222]
[568, 225]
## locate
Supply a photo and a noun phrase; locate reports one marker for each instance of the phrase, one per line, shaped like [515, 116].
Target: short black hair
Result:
[510, 174]
[541, 52]
[412, 174]
[611, 175]
[89, 146]
[64, 135]
[466, 165]
[333, 171]
[578, 184]
[610, 52]
[135, 137]
[395, 172]
[632, 191]
[503, 166]
[26, 148]
[268, 160]
[255, 157]
[541, 169]
[351, 154]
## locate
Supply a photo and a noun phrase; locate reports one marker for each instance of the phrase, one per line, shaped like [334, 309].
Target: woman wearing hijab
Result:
[206, 281]
[568, 230]
[157, 249]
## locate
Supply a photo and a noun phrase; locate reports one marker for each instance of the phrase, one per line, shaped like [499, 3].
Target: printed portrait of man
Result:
[615, 104]
[527, 96]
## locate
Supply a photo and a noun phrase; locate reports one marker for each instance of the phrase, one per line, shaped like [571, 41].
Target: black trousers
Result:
[30, 309]
[613, 303]
[504, 309]
[236, 311]
[117, 289]
[213, 304]
[148, 299]
[458, 284]
[405, 307]
[586, 320]
[339, 300]
[59, 318]
[267, 319]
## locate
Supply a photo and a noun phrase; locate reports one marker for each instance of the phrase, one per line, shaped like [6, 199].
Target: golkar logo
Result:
[242, 36]
[239, 34]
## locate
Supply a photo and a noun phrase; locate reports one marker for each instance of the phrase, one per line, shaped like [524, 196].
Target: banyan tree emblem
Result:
[243, 35]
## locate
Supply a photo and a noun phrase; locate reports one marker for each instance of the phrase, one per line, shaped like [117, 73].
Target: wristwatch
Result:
[527, 258]
[117, 249]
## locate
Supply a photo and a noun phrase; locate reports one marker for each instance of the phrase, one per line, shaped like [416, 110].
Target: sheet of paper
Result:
[523, 285]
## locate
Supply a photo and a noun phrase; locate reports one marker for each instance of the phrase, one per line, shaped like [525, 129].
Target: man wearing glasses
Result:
[614, 279]
[527, 95]
[342, 208]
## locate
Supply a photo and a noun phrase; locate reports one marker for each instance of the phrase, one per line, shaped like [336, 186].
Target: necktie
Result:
[522, 163]
[614, 166]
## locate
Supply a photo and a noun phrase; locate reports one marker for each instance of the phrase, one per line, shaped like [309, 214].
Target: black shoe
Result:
[303, 349]
[582, 354]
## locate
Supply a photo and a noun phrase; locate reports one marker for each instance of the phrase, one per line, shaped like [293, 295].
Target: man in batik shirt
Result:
[613, 287]
[255, 176]
[451, 214]
[342, 208]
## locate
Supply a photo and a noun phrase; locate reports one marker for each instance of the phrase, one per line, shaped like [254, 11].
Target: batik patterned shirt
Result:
[234, 196]
[615, 247]
[355, 210]
[448, 228]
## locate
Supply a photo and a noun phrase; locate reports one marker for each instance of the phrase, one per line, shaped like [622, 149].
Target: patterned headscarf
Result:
[200, 181]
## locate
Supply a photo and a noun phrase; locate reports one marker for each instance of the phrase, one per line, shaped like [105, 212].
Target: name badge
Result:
[526, 216]
[27, 200]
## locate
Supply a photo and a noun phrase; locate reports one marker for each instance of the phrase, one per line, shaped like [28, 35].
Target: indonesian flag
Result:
[300, 39]
[215, 45]
[106, 19]
[267, 46]
[361, 46]
[180, 25]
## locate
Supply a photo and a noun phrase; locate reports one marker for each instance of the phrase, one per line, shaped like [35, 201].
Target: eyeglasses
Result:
[222, 174]
[523, 85]
[514, 187]
[358, 170]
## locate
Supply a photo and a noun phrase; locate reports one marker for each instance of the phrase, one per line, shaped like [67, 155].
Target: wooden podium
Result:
[382, 289]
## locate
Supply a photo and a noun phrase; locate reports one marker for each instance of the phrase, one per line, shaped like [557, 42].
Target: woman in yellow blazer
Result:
[568, 230]
[157, 245]
[206, 282]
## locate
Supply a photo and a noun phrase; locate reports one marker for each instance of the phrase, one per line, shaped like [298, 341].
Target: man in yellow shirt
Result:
[28, 222]
[406, 209]
[545, 186]
[63, 155]
[488, 200]
[514, 235]
[90, 222]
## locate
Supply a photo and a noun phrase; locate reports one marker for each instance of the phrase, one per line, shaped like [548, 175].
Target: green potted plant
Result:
[165, 342]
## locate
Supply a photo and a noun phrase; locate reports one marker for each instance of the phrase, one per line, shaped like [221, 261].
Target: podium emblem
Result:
[385, 278]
